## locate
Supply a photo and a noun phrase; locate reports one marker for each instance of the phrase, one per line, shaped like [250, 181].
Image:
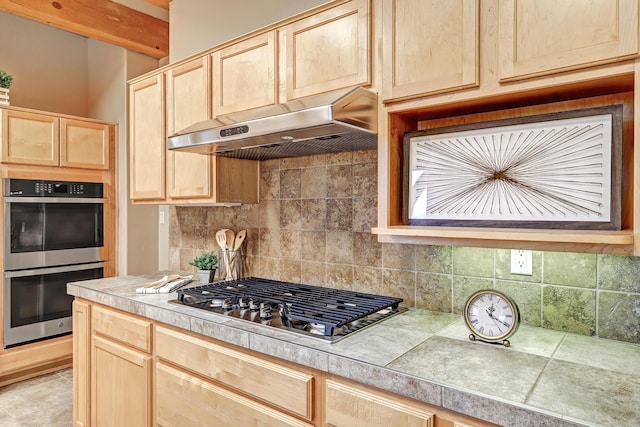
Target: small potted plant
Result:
[207, 264]
[5, 83]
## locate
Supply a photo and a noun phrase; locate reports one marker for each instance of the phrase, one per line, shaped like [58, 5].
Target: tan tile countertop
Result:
[546, 378]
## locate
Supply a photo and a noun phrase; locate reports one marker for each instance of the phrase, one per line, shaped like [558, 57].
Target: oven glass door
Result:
[37, 305]
[53, 232]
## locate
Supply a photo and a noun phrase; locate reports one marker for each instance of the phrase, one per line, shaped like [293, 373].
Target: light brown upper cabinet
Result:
[538, 37]
[146, 139]
[429, 47]
[84, 144]
[328, 50]
[244, 75]
[161, 105]
[188, 100]
[44, 140]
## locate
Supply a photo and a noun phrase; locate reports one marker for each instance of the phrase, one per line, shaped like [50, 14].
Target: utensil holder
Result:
[230, 265]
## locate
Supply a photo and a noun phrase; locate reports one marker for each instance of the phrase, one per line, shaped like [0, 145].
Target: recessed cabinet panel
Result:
[328, 50]
[244, 75]
[146, 137]
[30, 139]
[353, 406]
[429, 47]
[84, 144]
[538, 37]
[188, 102]
[120, 385]
[183, 399]
[127, 329]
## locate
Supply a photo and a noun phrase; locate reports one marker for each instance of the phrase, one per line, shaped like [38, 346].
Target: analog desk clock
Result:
[491, 316]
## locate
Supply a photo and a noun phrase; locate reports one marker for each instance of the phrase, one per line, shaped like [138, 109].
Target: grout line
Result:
[544, 368]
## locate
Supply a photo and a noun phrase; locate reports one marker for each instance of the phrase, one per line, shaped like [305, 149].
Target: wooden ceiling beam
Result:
[164, 4]
[102, 20]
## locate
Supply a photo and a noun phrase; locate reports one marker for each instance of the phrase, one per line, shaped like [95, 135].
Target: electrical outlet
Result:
[521, 262]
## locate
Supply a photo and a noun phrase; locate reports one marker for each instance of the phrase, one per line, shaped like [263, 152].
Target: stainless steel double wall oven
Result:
[53, 234]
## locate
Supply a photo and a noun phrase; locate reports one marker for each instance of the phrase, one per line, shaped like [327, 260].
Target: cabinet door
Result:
[120, 385]
[29, 138]
[329, 50]
[184, 400]
[84, 144]
[147, 146]
[244, 75]
[540, 37]
[81, 357]
[188, 102]
[429, 47]
[351, 406]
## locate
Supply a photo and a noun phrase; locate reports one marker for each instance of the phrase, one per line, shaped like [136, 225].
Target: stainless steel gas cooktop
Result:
[325, 313]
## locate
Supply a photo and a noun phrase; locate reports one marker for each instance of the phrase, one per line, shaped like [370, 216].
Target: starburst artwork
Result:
[545, 173]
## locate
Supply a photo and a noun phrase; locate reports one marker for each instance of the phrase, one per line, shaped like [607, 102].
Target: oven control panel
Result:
[41, 188]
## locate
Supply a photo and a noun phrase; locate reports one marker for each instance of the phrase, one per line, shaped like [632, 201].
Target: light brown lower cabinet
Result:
[120, 385]
[353, 406]
[141, 373]
[81, 363]
[289, 389]
[350, 404]
[183, 399]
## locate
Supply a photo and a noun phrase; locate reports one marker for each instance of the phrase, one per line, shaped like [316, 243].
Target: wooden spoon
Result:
[161, 282]
[230, 238]
[242, 234]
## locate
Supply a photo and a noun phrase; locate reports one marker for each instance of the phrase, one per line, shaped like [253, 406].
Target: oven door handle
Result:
[13, 199]
[52, 270]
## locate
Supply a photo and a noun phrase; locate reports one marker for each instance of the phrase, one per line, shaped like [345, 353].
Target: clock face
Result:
[491, 315]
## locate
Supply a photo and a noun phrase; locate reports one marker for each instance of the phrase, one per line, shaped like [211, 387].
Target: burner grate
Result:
[325, 308]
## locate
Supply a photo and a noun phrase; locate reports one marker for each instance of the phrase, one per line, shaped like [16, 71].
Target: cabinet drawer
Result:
[353, 406]
[122, 327]
[284, 387]
[184, 400]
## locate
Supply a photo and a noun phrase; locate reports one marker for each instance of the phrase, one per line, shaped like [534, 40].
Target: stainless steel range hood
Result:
[328, 123]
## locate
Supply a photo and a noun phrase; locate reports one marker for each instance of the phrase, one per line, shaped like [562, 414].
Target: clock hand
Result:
[496, 320]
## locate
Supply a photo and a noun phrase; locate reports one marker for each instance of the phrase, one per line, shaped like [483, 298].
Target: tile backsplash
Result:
[313, 226]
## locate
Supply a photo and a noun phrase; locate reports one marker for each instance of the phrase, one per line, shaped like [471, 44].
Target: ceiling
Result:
[138, 25]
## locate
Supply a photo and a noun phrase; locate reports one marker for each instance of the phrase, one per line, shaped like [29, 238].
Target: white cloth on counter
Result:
[164, 285]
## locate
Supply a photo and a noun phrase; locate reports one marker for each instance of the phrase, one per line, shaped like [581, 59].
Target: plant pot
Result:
[206, 276]
[4, 96]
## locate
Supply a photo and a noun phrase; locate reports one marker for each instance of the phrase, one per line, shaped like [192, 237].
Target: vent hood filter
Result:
[327, 123]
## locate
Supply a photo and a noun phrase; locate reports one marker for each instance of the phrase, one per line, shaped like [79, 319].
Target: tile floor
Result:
[44, 401]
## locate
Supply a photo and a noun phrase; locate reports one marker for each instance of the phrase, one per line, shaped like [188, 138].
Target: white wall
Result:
[49, 66]
[196, 25]
[109, 69]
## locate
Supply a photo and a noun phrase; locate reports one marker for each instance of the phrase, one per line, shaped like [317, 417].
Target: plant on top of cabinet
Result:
[5, 84]
[5, 79]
